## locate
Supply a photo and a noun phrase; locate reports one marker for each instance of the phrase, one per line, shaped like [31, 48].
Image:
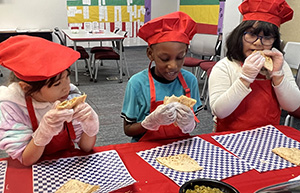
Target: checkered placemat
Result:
[105, 169]
[3, 167]
[255, 147]
[218, 164]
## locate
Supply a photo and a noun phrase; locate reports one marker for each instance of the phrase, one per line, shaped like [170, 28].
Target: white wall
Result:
[163, 7]
[30, 14]
[232, 17]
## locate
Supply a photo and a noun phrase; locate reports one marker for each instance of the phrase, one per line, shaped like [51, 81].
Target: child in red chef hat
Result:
[30, 123]
[243, 94]
[145, 116]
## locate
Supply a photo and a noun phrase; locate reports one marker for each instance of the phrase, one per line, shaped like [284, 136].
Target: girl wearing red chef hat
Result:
[145, 115]
[244, 95]
[30, 123]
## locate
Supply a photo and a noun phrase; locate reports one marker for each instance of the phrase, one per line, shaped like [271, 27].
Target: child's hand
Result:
[252, 66]
[51, 125]
[185, 118]
[88, 118]
[277, 58]
[162, 115]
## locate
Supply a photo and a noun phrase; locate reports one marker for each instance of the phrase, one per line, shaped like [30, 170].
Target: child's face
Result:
[248, 47]
[168, 58]
[58, 91]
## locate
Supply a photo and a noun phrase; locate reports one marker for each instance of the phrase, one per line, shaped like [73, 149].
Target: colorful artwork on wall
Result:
[129, 15]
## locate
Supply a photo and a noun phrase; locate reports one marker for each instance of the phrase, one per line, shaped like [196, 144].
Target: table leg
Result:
[121, 61]
[76, 69]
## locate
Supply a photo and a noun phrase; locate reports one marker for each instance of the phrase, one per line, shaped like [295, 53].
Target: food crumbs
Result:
[264, 161]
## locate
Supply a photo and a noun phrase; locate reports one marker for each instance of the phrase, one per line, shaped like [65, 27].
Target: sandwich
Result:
[69, 104]
[268, 61]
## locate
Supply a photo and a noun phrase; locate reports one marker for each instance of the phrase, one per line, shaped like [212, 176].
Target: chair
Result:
[83, 53]
[102, 48]
[203, 45]
[110, 54]
[208, 46]
[289, 120]
[292, 54]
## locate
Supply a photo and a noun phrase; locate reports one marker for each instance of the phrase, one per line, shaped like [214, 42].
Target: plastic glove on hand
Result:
[251, 67]
[278, 60]
[51, 124]
[88, 118]
[162, 115]
[185, 118]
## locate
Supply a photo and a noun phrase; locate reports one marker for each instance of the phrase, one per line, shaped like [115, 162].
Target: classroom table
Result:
[19, 178]
[84, 36]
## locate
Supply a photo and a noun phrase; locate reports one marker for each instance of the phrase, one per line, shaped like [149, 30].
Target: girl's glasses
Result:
[265, 40]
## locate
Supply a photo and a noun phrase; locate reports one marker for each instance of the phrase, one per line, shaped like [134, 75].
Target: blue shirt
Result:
[136, 104]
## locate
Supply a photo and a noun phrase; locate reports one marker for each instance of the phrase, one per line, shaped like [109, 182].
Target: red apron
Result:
[62, 141]
[259, 108]
[164, 131]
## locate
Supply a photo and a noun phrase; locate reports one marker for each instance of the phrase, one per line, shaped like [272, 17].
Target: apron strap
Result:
[31, 113]
[152, 89]
[34, 123]
[186, 89]
[70, 129]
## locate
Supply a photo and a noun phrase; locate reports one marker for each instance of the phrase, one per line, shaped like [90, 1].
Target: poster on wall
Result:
[204, 12]
[90, 15]
[129, 15]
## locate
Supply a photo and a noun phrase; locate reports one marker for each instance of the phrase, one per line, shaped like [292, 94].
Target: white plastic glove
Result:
[252, 66]
[51, 124]
[88, 118]
[277, 58]
[185, 118]
[162, 115]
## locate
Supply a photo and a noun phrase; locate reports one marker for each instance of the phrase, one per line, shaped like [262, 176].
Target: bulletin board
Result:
[108, 14]
[129, 15]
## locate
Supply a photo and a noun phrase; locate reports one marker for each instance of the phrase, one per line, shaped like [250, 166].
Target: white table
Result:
[83, 36]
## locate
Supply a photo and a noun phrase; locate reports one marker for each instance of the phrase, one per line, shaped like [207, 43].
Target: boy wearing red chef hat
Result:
[145, 116]
[243, 94]
[30, 123]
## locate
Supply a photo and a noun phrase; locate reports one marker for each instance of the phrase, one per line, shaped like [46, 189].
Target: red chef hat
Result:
[34, 59]
[272, 11]
[176, 26]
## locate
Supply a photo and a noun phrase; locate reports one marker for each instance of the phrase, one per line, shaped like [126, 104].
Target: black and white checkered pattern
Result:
[3, 168]
[255, 147]
[105, 169]
[218, 164]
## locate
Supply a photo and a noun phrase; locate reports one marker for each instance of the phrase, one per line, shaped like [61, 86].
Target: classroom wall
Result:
[40, 14]
[32, 14]
[290, 30]
[232, 18]
[162, 7]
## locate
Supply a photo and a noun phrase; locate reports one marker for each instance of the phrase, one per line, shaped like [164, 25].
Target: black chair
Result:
[83, 53]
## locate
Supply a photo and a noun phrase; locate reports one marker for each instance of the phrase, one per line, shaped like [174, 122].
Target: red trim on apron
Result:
[259, 108]
[62, 141]
[164, 131]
